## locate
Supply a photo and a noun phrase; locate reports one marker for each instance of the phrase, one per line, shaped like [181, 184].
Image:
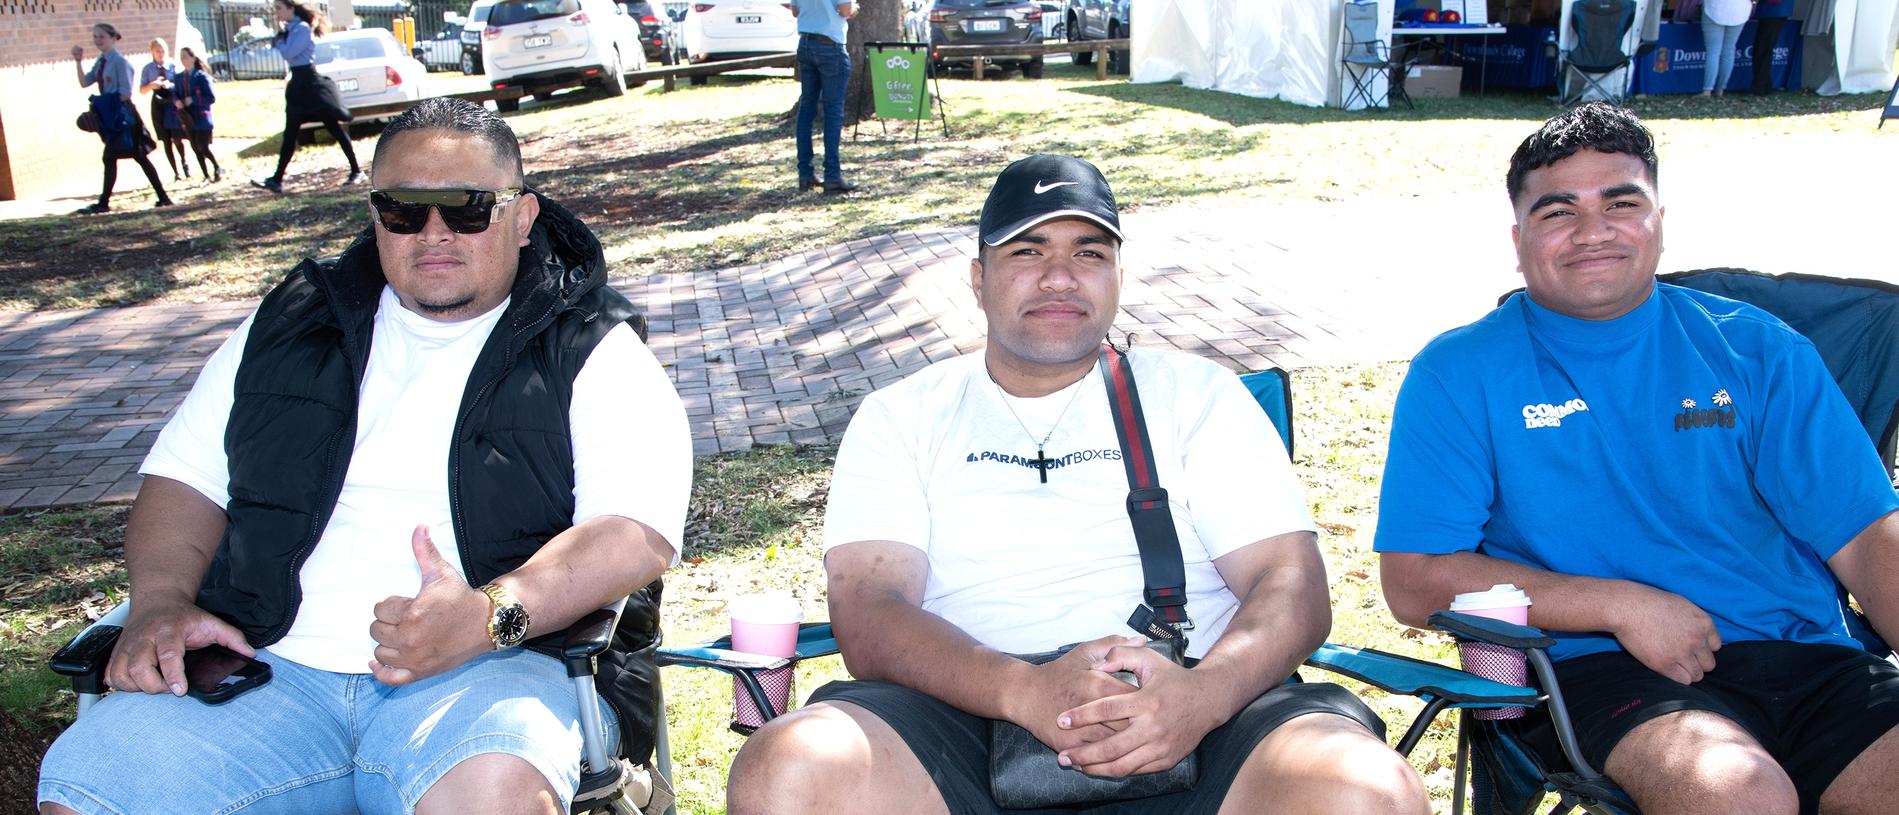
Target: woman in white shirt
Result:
[1721, 22]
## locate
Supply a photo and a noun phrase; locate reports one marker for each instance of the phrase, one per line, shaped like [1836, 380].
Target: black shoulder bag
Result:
[1023, 772]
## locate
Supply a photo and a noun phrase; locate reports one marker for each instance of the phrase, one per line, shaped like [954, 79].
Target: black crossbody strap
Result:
[1164, 616]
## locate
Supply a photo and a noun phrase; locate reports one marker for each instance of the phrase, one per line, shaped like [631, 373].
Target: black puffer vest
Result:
[510, 469]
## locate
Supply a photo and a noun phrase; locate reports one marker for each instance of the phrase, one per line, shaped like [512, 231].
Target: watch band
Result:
[507, 618]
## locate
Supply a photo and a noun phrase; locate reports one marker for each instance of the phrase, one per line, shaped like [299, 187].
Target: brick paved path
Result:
[783, 351]
[769, 353]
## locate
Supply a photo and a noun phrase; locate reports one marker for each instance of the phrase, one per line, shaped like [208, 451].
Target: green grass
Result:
[702, 178]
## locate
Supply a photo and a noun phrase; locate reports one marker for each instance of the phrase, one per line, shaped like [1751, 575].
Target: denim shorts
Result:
[315, 741]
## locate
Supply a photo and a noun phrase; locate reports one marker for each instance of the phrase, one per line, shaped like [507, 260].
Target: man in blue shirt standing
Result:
[824, 72]
[1676, 482]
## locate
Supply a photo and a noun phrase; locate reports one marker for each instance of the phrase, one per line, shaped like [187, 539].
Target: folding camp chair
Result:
[1600, 52]
[1854, 324]
[1367, 57]
[609, 782]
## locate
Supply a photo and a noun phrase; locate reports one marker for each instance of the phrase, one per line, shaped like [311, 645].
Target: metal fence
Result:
[237, 34]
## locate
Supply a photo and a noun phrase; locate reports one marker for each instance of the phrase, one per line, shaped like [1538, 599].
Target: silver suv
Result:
[542, 46]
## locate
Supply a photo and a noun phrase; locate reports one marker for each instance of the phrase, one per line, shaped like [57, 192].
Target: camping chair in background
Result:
[1600, 51]
[609, 782]
[1854, 324]
[1367, 57]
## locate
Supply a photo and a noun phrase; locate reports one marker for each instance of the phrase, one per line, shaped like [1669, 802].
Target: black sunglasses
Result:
[469, 212]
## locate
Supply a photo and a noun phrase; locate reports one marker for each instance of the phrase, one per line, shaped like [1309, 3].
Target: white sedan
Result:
[732, 29]
[370, 68]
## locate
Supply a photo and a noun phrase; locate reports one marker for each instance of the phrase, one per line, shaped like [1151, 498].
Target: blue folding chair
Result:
[1438, 686]
[1854, 325]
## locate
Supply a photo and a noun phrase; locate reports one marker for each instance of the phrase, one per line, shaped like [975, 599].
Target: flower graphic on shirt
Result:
[1687, 404]
[1722, 399]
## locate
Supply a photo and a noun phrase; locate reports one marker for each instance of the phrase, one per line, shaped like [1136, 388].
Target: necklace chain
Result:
[1058, 417]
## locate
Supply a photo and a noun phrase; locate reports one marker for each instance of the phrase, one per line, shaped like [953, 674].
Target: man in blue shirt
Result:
[1676, 482]
[824, 73]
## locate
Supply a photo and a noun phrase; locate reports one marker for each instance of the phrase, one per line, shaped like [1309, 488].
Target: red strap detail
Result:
[1125, 406]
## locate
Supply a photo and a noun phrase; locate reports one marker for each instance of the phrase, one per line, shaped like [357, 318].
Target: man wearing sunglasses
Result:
[403, 473]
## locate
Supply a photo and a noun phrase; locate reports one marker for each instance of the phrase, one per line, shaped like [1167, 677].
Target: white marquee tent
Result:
[1288, 49]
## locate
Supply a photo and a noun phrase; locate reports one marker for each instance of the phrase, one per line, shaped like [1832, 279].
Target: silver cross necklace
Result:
[1041, 460]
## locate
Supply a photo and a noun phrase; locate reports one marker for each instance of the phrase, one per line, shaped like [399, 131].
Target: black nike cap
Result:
[1042, 188]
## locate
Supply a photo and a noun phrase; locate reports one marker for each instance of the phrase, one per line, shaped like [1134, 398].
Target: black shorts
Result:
[1814, 708]
[954, 746]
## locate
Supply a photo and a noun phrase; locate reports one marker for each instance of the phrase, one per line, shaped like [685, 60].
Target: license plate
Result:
[537, 41]
[987, 26]
[751, 18]
[346, 85]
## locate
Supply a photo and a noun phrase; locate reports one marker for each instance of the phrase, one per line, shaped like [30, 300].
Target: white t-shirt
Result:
[632, 458]
[938, 462]
[1727, 12]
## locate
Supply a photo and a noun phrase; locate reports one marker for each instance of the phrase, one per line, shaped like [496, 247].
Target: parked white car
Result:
[370, 68]
[471, 35]
[542, 46]
[735, 29]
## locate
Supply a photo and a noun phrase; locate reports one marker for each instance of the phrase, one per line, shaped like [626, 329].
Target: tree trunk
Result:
[876, 21]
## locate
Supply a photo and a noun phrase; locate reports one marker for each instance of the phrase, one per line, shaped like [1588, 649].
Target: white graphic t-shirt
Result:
[938, 462]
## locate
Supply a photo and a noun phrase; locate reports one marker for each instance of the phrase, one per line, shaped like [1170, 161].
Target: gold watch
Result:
[507, 619]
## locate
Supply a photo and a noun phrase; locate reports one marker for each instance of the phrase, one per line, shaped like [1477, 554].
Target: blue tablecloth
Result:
[1516, 59]
[1675, 66]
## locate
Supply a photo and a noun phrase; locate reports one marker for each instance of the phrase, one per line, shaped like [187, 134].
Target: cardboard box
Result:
[1433, 81]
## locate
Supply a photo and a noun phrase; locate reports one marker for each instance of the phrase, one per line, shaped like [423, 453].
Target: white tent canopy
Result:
[1862, 37]
[1273, 50]
[1289, 49]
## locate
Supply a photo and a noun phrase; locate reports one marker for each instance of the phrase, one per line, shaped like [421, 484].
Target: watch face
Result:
[510, 624]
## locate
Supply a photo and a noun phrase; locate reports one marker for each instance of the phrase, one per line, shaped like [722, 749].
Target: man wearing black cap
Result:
[978, 510]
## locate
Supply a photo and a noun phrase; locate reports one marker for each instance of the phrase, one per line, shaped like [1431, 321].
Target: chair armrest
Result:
[588, 637]
[86, 656]
[1415, 677]
[1495, 632]
[814, 640]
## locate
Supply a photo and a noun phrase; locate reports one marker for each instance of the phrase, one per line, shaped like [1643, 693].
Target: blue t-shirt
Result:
[821, 17]
[1696, 444]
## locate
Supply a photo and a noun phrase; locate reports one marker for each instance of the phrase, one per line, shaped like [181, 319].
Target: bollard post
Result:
[1101, 62]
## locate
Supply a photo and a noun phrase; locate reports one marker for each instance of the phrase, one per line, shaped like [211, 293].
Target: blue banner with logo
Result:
[1513, 59]
[1676, 64]
[1517, 58]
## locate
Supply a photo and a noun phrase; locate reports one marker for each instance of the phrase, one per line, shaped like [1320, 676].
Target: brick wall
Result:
[41, 152]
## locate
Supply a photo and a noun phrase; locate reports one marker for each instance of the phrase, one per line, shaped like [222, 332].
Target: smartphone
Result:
[215, 674]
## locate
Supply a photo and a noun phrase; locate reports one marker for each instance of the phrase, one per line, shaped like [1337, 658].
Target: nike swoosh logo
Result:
[1043, 186]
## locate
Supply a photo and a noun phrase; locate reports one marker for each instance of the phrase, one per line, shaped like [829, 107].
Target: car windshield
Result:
[521, 11]
[330, 50]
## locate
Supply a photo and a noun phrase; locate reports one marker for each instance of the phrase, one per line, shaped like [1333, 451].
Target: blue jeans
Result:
[315, 741]
[1720, 40]
[824, 70]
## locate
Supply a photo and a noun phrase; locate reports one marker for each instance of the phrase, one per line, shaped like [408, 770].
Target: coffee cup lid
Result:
[1502, 595]
[766, 608]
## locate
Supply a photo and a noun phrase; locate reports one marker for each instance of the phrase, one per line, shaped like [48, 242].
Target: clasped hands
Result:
[1103, 726]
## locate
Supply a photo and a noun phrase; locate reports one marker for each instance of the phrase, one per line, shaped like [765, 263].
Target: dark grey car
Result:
[988, 22]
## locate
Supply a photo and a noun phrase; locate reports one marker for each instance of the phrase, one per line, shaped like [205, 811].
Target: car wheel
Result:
[1081, 57]
[507, 105]
[698, 79]
[1117, 59]
[1032, 69]
[615, 81]
[468, 64]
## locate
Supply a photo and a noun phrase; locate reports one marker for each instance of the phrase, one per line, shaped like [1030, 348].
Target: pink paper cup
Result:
[764, 624]
[1502, 602]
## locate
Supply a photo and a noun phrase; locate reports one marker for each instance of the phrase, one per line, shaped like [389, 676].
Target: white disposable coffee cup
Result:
[1503, 601]
[1508, 603]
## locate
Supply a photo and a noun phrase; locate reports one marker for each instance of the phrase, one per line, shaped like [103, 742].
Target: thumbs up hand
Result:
[443, 626]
